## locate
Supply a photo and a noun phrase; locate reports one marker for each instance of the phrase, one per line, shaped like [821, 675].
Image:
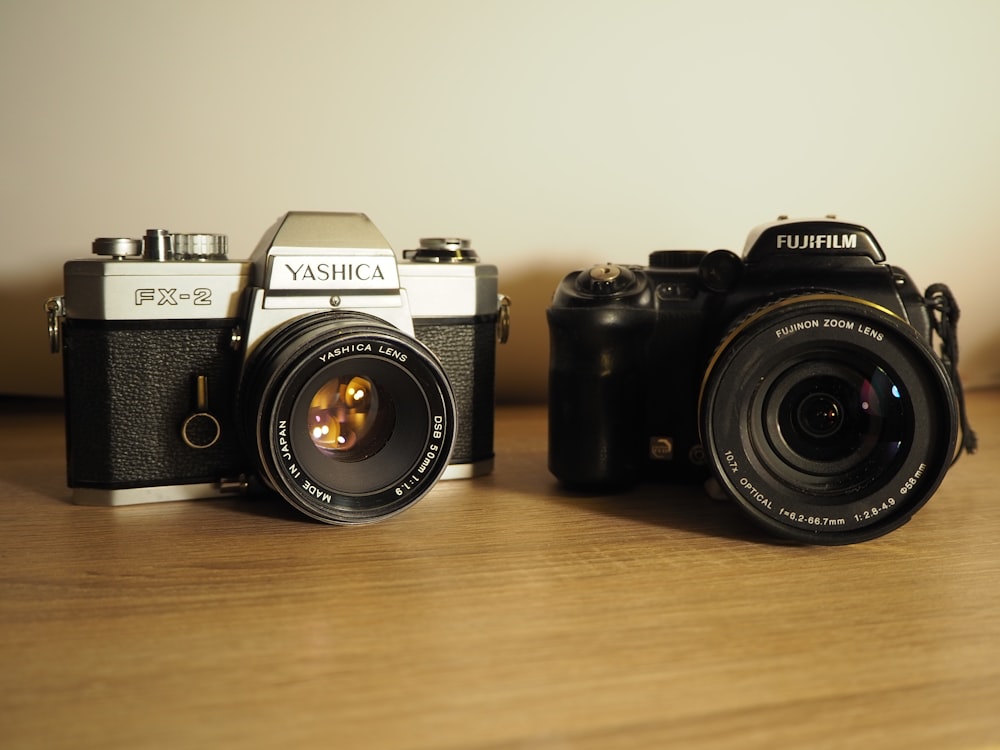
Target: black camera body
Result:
[320, 368]
[802, 376]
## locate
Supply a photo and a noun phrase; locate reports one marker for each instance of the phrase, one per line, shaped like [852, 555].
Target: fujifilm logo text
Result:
[817, 241]
[335, 272]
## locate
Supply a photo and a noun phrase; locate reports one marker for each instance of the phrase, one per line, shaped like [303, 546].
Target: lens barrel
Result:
[827, 418]
[350, 420]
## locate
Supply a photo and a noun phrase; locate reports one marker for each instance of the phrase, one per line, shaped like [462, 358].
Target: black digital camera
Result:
[320, 368]
[802, 376]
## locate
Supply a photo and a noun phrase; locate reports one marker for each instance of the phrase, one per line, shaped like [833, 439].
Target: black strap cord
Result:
[944, 314]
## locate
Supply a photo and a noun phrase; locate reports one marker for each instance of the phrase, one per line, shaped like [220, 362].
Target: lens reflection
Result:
[820, 415]
[348, 420]
[826, 418]
[835, 420]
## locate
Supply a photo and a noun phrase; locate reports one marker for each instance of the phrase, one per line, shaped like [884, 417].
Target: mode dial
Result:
[606, 278]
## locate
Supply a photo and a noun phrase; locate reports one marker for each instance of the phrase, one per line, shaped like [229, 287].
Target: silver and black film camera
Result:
[320, 368]
[802, 376]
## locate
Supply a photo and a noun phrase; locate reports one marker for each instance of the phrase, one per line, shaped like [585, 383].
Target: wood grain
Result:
[497, 613]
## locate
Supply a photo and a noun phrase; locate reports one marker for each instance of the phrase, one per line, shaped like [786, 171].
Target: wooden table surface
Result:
[496, 613]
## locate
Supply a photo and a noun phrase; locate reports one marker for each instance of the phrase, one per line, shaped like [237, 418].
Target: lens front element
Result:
[835, 418]
[348, 421]
[819, 415]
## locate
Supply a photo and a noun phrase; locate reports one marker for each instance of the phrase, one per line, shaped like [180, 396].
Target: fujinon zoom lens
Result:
[350, 419]
[827, 418]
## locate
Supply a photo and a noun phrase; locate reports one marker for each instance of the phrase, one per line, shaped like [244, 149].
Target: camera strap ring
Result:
[944, 314]
[55, 308]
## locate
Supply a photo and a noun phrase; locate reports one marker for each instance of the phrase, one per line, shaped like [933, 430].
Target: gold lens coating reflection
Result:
[341, 412]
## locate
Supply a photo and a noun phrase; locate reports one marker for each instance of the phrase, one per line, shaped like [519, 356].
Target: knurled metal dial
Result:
[199, 246]
[443, 250]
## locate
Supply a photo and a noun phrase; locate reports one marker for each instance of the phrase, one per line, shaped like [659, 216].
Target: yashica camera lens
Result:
[350, 419]
[827, 418]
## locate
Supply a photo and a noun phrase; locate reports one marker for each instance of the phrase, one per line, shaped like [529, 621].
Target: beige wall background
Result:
[553, 133]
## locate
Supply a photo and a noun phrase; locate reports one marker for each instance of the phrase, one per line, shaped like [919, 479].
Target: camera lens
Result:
[350, 419]
[827, 418]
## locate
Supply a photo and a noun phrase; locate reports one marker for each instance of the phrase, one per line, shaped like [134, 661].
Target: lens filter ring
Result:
[827, 418]
[351, 421]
